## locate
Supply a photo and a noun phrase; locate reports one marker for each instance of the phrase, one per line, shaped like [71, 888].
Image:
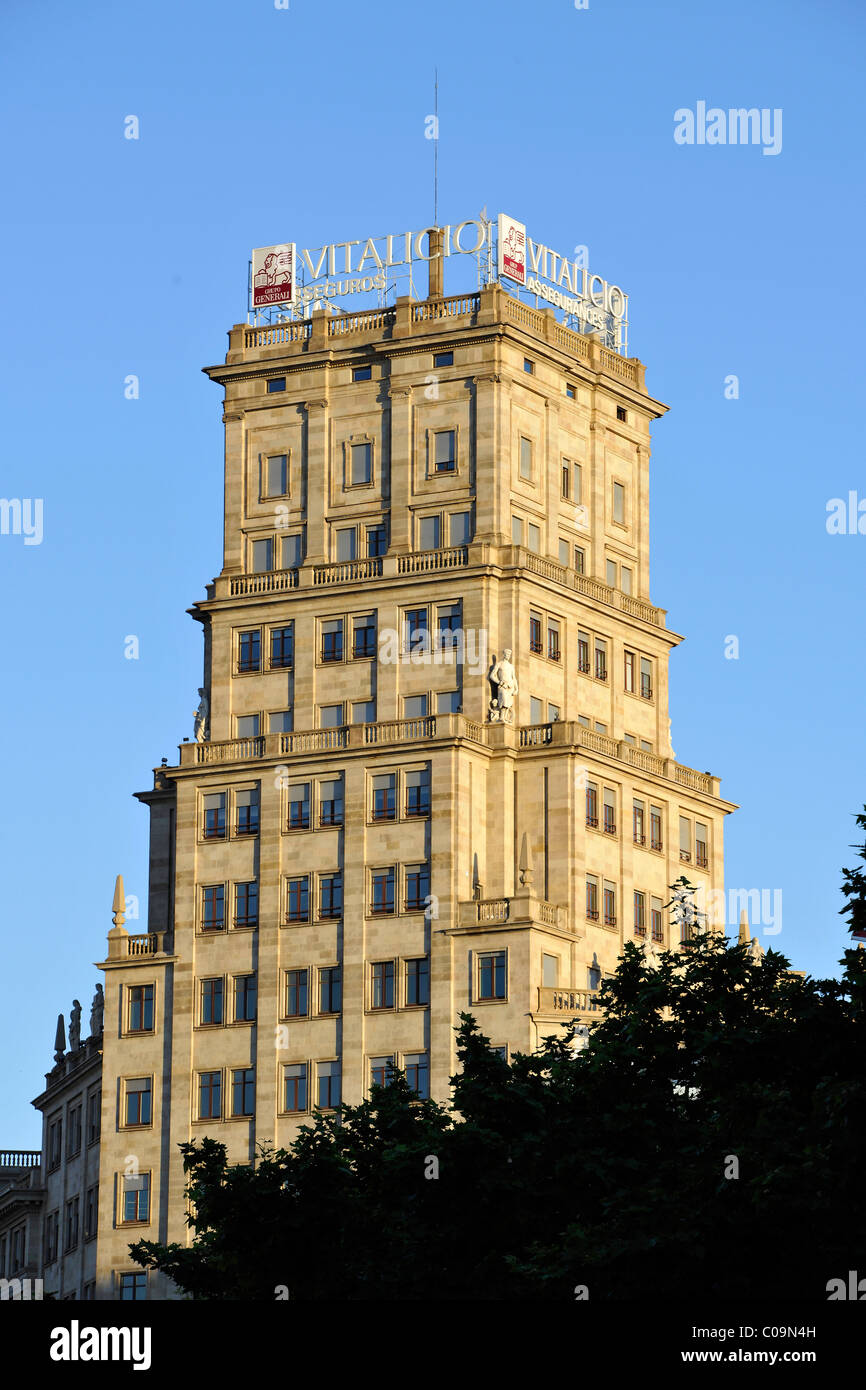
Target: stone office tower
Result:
[357, 851]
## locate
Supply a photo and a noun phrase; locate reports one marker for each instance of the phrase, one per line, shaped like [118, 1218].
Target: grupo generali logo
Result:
[273, 275]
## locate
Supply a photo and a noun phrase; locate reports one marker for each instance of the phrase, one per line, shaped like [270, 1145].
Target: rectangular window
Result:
[638, 823]
[640, 914]
[263, 555]
[459, 528]
[139, 1095]
[414, 706]
[331, 801]
[625, 579]
[293, 551]
[443, 359]
[246, 904]
[600, 660]
[377, 540]
[347, 543]
[610, 573]
[52, 1226]
[331, 895]
[280, 721]
[444, 451]
[646, 678]
[580, 559]
[553, 640]
[277, 480]
[578, 484]
[535, 644]
[298, 899]
[528, 366]
[621, 412]
[564, 551]
[491, 975]
[549, 971]
[361, 374]
[330, 716]
[382, 891]
[418, 981]
[554, 713]
[276, 383]
[656, 919]
[245, 998]
[417, 786]
[701, 845]
[382, 984]
[212, 1000]
[214, 806]
[592, 897]
[619, 503]
[417, 636]
[295, 1088]
[566, 479]
[329, 1085]
[299, 806]
[592, 805]
[417, 887]
[363, 711]
[94, 1103]
[364, 636]
[297, 984]
[71, 1224]
[570, 391]
[685, 840]
[609, 811]
[448, 702]
[332, 640]
[447, 625]
[536, 710]
[516, 531]
[133, 1287]
[628, 670]
[533, 538]
[384, 788]
[609, 905]
[429, 528]
[362, 464]
[247, 808]
[140, 1009]
[583, 653]
[135, 1197]
[655, 827]
[417, 1068]
[73, 1131]
[250, 650]
[247, 726]
[213, 911]
[243, 1091]
[525, 457]
[282, 646]
[330, 990]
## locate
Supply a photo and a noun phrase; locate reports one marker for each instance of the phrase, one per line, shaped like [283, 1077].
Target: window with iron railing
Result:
[701, 846]
[331, 802]
[250, 651]
[591, 805]
[332, 640]
[246, 904]
[331, 896]
[247, 807]
[535, 644]
[600, 661]
[640, 914]
[417, 887]
[656, 920]
[281, 647]
[417, 794]
[213, 908]
[299, 806]
[384, 796]
[382, 891]
[638, 825]
[655, 829]
[592, 899]
[553, 641]
[646, 678]
[609, 906]
[609, 813]
[364, 637]
[214, 805]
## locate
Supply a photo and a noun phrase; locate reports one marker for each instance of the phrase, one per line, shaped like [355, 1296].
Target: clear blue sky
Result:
[259, 125]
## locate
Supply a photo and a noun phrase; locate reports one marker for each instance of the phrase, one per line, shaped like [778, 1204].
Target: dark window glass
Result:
[140, 1008]
[418, 981]
[491, 975]
[247, 904]
[330, 990]
[210, 1095]
[443, 359]
[296, 1087]
[417, 887]
[296, 996]
[250, 651]
[382, 891]
[332, 640]
[377, 540]
[212, 1001]
[281, 647]
[276, 383]
[382, 985]
[298, 900]
[331, 895]
[213, 908]
[245, 998]
[299, 806]
[364, 636]
[243, 1091]
[138, 1101]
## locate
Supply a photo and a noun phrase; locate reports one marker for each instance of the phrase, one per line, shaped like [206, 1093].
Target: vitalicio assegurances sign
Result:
[361, 266]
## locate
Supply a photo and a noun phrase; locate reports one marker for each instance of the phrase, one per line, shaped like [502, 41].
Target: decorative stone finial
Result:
[525, 864]
[60, 1039]
[119, 903]
[743, 937]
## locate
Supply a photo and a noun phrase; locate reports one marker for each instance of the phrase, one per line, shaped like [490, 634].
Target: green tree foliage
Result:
[854, 889]
[611, 1167]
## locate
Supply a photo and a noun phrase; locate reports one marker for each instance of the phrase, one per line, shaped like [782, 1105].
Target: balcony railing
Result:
[574, 1001]
[20, 1158]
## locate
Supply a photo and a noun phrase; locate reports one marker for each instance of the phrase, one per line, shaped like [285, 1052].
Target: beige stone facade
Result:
[468, 468]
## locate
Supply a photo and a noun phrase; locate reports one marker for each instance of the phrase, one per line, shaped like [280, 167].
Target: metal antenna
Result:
[436, 147]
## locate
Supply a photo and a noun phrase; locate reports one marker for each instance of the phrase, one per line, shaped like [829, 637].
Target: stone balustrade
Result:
[575, 1002]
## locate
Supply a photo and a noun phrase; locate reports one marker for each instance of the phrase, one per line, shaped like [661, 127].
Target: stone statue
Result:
[201, 717]
[756, 951]
[75, 1026]
[650, 955]
[504, 677]
[96, 1012]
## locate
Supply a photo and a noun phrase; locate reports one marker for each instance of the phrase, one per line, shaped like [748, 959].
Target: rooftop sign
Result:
[297, 280]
